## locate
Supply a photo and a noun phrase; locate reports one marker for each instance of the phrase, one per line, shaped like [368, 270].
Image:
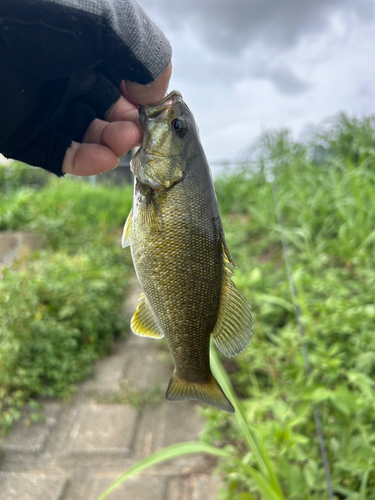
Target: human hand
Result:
[107, 140]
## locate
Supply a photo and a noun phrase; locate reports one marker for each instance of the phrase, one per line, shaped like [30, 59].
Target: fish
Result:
[180, 255]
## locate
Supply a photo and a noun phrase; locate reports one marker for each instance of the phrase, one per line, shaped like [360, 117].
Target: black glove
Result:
[61, 63]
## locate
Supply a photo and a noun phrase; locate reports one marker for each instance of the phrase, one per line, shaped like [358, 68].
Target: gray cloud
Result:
[283, 78]
[229, 26]
[227, 70]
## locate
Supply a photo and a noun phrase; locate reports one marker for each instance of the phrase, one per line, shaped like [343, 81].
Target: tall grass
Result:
[327, 205]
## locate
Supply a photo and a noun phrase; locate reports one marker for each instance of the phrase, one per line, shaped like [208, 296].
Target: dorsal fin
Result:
[234, 326]
[143, 321]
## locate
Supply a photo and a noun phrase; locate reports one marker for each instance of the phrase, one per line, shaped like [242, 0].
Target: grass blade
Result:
[258, 450]
[173, 451]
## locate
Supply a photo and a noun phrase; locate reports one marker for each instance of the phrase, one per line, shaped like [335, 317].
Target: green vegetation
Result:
[328, 209]
[60, 308]
[326, 195]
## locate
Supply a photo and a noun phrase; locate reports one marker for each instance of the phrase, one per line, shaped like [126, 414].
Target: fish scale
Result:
[180, 255]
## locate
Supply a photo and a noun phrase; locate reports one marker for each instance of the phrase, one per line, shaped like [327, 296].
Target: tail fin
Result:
[208, 392]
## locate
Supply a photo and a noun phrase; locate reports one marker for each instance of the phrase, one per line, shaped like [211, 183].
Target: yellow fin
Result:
[208, 392]
[125, 240]
[234, 325]
[143, 321]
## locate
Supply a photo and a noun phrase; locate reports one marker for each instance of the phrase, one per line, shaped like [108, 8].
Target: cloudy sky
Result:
[244, 66]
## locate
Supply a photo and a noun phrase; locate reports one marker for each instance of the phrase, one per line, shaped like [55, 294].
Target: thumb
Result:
[147, 94]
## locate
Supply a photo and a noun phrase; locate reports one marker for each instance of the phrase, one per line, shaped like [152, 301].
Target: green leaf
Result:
[296, 481]
[278, 301]
[343, 400]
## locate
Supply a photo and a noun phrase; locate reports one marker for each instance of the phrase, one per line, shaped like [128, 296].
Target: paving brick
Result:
[24, 486]
[9, 245]
[101, 429]
[178, 488]
[30, 240]
[31, 438]
[14, 243]
[181, 422]
[146, 368]
[108, 374]
[206, 487]
[168, 424]
[137, 488]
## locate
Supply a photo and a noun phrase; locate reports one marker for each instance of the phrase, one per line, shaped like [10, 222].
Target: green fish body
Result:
[180, 255]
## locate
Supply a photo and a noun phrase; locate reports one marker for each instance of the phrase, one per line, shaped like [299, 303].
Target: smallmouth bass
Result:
[180, 255]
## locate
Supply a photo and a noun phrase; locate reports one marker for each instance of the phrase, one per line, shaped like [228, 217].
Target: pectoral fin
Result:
[143, 321]
[150, 215]
[234, 325]
[125, 240]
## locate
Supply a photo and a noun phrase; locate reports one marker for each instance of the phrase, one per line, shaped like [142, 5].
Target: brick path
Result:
[83, 445]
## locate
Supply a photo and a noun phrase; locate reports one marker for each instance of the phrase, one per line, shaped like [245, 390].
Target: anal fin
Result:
[143, 321]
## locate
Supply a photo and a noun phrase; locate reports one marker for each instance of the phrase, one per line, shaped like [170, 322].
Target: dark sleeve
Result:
[61, 63]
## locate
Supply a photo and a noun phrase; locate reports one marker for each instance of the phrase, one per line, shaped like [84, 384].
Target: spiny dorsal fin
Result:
[143, 321]
[234, 325]
[208, 392]
[125, 240]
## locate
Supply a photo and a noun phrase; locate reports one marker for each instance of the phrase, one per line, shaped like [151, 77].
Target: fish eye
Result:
[178, 125]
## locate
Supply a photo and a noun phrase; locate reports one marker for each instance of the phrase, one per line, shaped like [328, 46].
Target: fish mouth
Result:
[155, 110]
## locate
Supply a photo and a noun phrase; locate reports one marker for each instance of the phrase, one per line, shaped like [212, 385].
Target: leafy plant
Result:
[57, 314]
[60, 308]
[17, 175]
